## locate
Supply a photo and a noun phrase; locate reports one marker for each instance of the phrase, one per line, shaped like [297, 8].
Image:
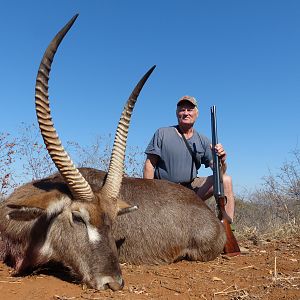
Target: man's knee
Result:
[203, 186]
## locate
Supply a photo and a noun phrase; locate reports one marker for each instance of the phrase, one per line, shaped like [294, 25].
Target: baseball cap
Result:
[189, 99]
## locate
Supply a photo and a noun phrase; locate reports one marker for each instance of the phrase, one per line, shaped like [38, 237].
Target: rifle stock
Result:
[231, 247]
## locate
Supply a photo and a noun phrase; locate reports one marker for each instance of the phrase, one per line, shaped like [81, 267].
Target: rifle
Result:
[231, 247]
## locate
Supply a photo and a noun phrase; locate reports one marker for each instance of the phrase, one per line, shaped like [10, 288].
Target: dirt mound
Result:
[270, 270]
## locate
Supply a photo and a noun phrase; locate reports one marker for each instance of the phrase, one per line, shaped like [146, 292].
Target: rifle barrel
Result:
[231, 247]
[218, 186]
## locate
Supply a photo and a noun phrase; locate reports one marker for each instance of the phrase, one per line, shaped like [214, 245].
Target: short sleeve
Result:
[207, 157]
[154, 146]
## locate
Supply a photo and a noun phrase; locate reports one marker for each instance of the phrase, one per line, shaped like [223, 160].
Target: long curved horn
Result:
[79, 187]
[116, 166]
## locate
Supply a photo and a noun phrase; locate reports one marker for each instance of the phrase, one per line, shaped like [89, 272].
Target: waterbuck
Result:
[67, 221]
[79, 216]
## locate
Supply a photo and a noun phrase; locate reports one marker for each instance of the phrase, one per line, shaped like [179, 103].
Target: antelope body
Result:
[171, 223]
[79, 217]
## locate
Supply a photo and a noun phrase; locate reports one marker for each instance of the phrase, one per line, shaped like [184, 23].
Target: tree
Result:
[36, 162]
[277, 202]
[282, 190]
[7, 152]
[98, 156]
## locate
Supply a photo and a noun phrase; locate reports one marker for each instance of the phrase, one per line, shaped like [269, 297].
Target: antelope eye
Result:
[77, 218]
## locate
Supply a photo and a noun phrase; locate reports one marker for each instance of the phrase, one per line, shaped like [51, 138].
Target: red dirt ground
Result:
[270, 270]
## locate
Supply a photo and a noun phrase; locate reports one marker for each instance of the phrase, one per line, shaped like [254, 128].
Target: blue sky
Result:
[242, 56]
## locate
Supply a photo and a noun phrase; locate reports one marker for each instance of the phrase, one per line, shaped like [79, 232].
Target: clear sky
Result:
[242, 56]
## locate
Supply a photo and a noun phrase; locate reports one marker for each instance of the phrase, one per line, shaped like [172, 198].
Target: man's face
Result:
[186, 113]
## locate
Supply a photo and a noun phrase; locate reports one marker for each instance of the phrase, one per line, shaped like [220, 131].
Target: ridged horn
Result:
[78, 186]
[116, 166]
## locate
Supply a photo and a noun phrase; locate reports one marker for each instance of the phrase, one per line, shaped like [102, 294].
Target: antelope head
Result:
[95, 211]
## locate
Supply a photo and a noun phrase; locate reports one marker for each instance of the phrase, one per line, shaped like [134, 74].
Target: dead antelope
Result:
[67, 221]
[71, 216]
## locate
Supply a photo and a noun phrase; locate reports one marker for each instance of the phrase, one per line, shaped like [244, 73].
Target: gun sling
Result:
[195, 159]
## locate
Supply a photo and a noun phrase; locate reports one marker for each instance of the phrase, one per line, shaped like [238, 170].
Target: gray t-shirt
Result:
[176, 163]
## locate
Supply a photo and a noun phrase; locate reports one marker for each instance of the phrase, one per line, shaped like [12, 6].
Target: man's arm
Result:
[149, 166]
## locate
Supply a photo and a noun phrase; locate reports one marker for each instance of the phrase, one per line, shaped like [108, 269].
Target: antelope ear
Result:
[24, 213]
[124, 208]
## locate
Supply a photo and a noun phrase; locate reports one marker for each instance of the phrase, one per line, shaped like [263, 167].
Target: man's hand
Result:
[220, 152]
[222, 155]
